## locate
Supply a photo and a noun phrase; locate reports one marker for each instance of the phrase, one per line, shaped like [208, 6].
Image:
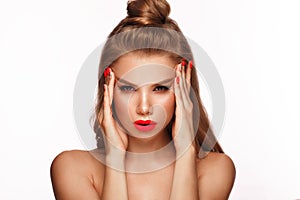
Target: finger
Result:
[177, 89]
[106, 103]
[178, 70]
[111, 86]
[178, 106]
[106, 74]
[189, 74]
[183, 66]
[184, 90]
[108, 122]
[183, 78]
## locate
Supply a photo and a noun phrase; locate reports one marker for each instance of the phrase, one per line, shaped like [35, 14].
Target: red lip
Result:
[144, 125]
[144, 122]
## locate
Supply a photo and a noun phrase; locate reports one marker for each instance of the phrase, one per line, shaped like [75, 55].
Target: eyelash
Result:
[162, 88]
[127, 88]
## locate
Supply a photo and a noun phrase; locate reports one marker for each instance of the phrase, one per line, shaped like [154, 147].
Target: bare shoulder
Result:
[78, 171]
[216, 175]
[77, 160]
[215, 161]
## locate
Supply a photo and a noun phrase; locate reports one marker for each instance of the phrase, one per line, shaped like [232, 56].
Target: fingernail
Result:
[183, 63]
[177, 79]
[191, 64]
[106, 72]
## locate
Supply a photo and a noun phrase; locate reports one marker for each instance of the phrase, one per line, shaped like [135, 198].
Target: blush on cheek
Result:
[168, 103]
[168, 100]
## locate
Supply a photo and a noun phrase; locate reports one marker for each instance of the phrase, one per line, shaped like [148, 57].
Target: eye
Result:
[126, 88]
[161, 88]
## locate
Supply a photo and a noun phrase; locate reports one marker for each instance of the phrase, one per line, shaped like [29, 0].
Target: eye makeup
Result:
[156, 88]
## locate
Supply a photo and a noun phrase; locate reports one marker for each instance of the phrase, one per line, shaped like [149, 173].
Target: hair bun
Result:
[149, 11]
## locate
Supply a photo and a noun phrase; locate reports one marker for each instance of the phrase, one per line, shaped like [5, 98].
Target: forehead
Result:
[143, 69]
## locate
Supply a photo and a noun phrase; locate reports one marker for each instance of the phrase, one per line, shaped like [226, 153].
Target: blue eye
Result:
[161, 88]
[126, 88]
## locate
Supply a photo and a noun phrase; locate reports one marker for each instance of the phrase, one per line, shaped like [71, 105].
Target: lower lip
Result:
[149, 127]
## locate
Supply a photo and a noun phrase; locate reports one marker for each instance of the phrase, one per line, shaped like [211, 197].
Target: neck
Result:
[150, 154]
[145, 145]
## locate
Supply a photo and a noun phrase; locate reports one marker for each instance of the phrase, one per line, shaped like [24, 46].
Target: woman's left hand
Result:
[182, 129]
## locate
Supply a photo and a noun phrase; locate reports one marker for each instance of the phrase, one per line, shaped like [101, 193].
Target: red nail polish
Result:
[106, 72]
[191, 64]
[177, 79]
[183, 63]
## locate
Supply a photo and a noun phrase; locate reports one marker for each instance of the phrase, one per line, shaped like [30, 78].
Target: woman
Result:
[152, 129]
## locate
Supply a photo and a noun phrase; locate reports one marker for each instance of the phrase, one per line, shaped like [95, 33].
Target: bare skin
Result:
[79, 175]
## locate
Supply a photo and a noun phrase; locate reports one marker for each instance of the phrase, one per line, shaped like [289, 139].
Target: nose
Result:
[143, 103]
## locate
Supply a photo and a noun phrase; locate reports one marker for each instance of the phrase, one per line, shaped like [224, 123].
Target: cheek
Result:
[168, 103]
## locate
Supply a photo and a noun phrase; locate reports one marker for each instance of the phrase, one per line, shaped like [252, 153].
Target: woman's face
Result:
[144, 100]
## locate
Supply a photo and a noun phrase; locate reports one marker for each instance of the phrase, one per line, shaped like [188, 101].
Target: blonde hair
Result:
[148, 30]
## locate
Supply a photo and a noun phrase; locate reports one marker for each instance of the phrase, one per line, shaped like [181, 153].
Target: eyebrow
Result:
[127, 82]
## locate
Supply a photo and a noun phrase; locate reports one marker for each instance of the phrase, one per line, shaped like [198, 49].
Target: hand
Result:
[115, 137]
[182, 129]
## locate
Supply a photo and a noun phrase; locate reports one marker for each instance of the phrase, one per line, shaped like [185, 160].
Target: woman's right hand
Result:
[115, 137]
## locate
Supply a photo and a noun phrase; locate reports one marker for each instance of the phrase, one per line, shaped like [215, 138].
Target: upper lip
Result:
[144, 122]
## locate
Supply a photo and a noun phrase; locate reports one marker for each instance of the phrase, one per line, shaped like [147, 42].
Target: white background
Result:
[254, 45]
